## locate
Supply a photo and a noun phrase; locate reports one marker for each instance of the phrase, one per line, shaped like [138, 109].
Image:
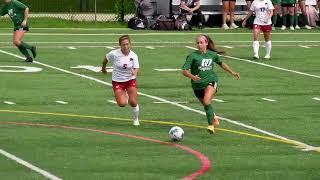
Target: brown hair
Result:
[211, 45]
[124, 37]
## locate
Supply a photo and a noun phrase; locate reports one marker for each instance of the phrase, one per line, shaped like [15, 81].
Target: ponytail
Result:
[211, 45]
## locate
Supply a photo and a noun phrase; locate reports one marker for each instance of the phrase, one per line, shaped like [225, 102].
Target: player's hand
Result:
[104, 70]
[24, 23]
[196, 78]
[236, 75]
[134, 74]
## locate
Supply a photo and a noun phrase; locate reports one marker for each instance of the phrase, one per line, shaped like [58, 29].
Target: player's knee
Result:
[133, 103]
[122, 104]
[16, 42]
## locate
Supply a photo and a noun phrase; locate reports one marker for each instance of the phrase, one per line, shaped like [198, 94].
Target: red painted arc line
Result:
[206, 164]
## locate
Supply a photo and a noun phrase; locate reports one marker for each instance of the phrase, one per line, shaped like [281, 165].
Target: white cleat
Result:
[267, 57]
[307, 27]
[297, 27]
[136, 122]
[283, 27]
[291, 28]
[255, 57]
[225, 27]
[233, 26]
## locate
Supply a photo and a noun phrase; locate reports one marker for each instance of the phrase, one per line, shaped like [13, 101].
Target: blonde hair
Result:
[211, 45]
[123, 38]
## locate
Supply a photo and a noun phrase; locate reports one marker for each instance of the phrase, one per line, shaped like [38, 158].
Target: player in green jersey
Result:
[288, 9]
[276, 5]
[199, 68]
[19, 14]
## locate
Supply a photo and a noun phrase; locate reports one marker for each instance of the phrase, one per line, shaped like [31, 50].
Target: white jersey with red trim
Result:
[123, 65]
[262, 8]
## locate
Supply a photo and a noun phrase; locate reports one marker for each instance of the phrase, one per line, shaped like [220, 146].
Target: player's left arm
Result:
[270, 13]
[136, 67]
[26, 16]
[227, 68]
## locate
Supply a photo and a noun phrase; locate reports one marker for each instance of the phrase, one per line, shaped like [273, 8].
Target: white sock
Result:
[256, 48]
[268, 48]
[135, 112]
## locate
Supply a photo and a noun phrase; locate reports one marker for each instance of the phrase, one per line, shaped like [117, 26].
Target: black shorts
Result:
[199, 93]
[288, 5]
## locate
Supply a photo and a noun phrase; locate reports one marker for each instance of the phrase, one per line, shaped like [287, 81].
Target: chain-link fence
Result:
[82, 10]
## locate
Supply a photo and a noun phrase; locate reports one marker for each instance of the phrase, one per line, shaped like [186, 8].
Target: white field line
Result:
[271, 66]
[110, 47]
[167, 70]
[218, 100]
[307, 47]
[9, 102]
[228, 47]
[72, 47]
[151, 34]
[297, 143]
[150, 47]
[62, 102]
[112, 101]
[190, 47]
[267, 99]
[178, 102]
[30, 166]
[316, 98]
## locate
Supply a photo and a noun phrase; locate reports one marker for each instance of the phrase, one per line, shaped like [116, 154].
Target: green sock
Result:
[296, 19]
[25, 45]
[284, 20]
[305, 19]
[274, 19]
[24, 51]
[209, 113]
[291, 20]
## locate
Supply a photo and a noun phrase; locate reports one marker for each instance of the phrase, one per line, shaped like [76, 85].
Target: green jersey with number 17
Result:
[202, 64]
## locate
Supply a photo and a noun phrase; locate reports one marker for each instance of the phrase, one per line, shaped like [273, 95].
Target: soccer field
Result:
[61, 117]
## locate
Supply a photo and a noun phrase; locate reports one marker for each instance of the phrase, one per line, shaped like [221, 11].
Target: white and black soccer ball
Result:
[176, 133]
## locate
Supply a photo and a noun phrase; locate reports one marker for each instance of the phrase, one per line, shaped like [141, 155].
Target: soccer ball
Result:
[176, 133]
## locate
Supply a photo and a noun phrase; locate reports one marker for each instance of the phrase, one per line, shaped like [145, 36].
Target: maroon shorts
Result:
[124, 85]
[263, 28]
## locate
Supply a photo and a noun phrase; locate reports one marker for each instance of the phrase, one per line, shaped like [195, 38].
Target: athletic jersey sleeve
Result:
[187, 65]
[20, 5]
[271, 7]
[217, 60]
[110, 56]
[136, 64]
[252, 7]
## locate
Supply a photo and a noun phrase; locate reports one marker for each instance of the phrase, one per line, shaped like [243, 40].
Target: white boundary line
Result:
[112, 101]
[218, 100]
[267, 99]
[9, 102]
[62, 102]
[316, 98]
[30, 166]
[297, 143]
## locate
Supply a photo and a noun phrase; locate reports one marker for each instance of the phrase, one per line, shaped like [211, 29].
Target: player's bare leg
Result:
[255, 45]
[268, 44]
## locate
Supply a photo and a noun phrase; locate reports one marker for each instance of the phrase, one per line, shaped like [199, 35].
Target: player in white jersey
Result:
[125, 70]
[263, 10]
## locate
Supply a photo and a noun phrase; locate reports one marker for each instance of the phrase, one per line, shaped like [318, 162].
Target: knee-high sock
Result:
[26, 45]
[24, 51]
[305, 20]
[135, 111]
[274, 19]
[268, 48]
[284, 19]
[291, 20]
[209, 113]
[256, 48]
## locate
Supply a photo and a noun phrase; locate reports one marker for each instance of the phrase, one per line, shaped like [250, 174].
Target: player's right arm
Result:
[104, 65]
[186, 69]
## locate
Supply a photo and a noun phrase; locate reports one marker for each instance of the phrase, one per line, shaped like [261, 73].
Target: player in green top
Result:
[19, 14]
[199, 68]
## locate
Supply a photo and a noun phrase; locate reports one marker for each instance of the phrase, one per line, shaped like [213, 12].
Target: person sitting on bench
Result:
[192, 7]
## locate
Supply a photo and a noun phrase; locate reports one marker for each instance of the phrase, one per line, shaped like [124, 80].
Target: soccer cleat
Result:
[297, 27]
[283, 27]
[291, 28]
[210, 129]
[34, 51]
[225, 26]
[307, 27]
[255, 57]
[136, 122]
[216, 121]
[233, 26]
[29, 60]
[267, 57]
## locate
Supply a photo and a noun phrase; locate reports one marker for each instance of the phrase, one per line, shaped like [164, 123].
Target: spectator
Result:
[228, 7]
[192, 7]
[276, 5]
[288, 9]
[302, 5]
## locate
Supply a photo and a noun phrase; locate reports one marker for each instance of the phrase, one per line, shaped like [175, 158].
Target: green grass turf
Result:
[86, 155]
